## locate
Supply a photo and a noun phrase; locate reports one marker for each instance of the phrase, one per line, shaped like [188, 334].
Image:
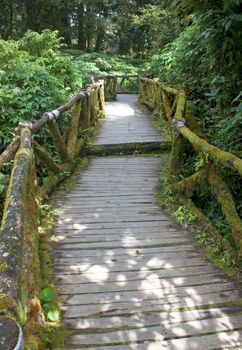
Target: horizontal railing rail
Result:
[120, 84]
[171, 102]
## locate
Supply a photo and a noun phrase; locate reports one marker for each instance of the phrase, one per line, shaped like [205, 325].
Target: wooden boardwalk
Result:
[129, 277]
[126, 123]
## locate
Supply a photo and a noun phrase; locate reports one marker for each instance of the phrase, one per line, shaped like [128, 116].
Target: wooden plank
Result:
[94, 274]
[122, 284]
[127, 224]
[170, 303]
[149, 290]
[227, 340]
[155, 318]
[122, 244]
[69, 237]
[131, 252]
[162, 332]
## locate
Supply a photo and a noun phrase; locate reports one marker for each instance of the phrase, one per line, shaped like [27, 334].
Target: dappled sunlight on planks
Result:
[129, 277]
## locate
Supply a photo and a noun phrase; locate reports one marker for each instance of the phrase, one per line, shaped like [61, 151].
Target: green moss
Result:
[211, 243]
[3, 266]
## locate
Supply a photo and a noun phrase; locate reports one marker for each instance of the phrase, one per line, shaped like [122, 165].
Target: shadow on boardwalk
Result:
[129, 277]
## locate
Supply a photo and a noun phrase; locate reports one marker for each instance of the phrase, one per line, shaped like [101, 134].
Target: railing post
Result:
[85, 113]
[74, 128]
[177, 139]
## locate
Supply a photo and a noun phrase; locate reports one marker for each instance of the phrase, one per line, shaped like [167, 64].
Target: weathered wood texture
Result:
[126, 123]
[129, 277]
[185, 127]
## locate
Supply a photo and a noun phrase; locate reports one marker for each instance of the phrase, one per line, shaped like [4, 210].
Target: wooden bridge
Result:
[128, 275]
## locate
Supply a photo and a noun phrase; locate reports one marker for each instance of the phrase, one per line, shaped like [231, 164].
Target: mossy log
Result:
[181, 105]
[13, 223]
[176, 156]
[110, 88]
[74, 128]
[9, 153]
[187, 185]
[225, 198]
[84, 121]
[214, 153]
[177, 150]
[58, 141]
[168, 89]
[167, 108]
[101, 97]
[45, 158]
[93, 109]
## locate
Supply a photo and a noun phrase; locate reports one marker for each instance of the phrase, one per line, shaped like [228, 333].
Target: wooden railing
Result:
[120, 84]
[171, 102]
[19, 268]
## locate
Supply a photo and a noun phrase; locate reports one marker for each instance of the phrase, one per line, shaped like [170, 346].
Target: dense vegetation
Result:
[193, 43]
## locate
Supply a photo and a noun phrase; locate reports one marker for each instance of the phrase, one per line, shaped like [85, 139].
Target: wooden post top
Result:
[10, 335]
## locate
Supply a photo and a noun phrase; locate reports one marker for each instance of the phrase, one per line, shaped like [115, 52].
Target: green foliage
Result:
[23, 309]
[100, 64]
[184, 216]
[49, 302]
[34, 78]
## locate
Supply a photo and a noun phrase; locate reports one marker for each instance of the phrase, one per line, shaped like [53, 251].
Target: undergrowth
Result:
[214, 246]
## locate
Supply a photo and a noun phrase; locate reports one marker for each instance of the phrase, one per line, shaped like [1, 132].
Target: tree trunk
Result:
[81, 27]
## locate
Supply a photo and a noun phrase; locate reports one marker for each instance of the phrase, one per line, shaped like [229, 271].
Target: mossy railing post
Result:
[101, 97]
[85, 114]
[58, 141]
[110, 88]
[74, 129]
[185, 127]
[177, 140]
[19, 265]
[225, 199]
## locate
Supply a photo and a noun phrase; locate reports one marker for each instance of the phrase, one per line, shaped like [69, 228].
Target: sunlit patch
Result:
[110, 253]
[98, 273]
[80, 227]
[155, 283]
[121, 280]
[57, 238]
[67, 219]
[119, 110]
[131, 262]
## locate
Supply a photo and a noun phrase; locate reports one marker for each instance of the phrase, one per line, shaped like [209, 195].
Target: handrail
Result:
[116, 83]
[171, 102]
[19, 269]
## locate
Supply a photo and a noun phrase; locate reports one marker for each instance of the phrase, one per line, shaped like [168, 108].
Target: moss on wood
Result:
[58, 141]
[45, 159]
[225, 198]
[187, 185]
[74, 127]
[214, 153]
